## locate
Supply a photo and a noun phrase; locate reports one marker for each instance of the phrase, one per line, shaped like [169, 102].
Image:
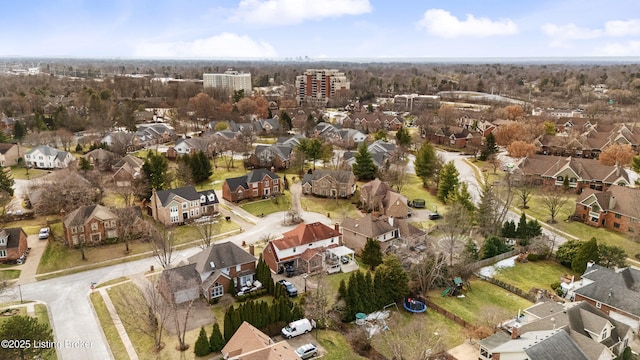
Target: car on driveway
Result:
[434, 216]
[289, 287]
[44, 233]
[307, 351]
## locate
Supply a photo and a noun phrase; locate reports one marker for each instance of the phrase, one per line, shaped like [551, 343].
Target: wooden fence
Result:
[492, 260]
[449, 315]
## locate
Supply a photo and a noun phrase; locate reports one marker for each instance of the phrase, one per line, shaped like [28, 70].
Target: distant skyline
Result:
[326, 29]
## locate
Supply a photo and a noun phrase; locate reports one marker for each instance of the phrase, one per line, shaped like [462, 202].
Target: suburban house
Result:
[126, 170]
[581, 173]
[266, 126]
[616, 209]
[615, 292]
[249, 343]
[101, 159]
[303, 248]
[453, 135]
[89, 225]
[268, 156]
[13, 244]
[378, 196]
[329, 183]
[179, 284]
[176, 206]
[191, 146]
[355, 232]
[258, 183]
[9, 154]
[549, 330]
[223, 267]
[46, 157]
[381, 152]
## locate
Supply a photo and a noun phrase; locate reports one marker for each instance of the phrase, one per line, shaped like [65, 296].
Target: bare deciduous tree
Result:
[492, 315]
[418, 340]
[162, 245]
[207, 231]
[429, 273]
[456, 223]
[64, 190]
[553, 200]
[181, 322]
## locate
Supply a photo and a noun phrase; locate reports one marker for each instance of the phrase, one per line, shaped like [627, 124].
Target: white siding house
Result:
[46, 157]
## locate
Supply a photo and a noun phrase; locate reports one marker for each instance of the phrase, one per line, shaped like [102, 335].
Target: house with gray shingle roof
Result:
[267, 156]
[378, 196]
[46, 157]
[13, 244]
[179, 284]
[357, 231]
[177, 206]
[329, 183]
[223, 266]
[258, 183]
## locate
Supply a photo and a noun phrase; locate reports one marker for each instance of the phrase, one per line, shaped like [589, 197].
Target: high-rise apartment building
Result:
[231, 80]
[317, 86]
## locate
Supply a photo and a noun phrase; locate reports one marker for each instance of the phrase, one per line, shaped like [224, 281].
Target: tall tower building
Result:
[317, 86]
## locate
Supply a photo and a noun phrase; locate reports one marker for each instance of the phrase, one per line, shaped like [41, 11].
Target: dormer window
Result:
[560, 178]
[212, 197]
[203, 199]
[605, 333]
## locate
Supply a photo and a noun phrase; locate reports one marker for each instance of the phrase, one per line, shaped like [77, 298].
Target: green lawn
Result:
[473, 306]
[336, 346]
[335, 209]
[9, 274]
[268, 206]
[539, 274]
[109, 329]
[18, 172]
[413, 189]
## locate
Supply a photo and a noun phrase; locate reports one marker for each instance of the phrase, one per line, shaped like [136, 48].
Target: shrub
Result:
[533, 257]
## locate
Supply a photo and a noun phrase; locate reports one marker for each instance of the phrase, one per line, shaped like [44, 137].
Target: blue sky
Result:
[320, 28]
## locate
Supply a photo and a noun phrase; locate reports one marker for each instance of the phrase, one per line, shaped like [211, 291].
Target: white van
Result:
[298, 327]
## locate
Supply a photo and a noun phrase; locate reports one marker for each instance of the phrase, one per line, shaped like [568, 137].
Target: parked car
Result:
[434, 216]
[307, 351]
[289, 287]
[44, 233]
[298, 327]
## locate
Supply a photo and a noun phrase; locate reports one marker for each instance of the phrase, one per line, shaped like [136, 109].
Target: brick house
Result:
[13, 244]
[127, 170]
[177, 206]
[90, 225]
[101, 159]
[267, 156]
[329, 183]
[302, 248]
[616, 209]
[378, 196]
[223, 267]
[179, 284]
[355, 232]
[614, 292]
[9, 154]
[582, 173]
[258, 183]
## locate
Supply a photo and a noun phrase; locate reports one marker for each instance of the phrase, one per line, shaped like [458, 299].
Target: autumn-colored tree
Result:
[549, 127]
[519, 149]
[203, 105]
[508, 133]
[617, 154]
[247, 106]
[263, 107]
[513, 112]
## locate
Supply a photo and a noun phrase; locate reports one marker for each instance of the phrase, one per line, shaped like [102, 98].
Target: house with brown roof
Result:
[615, 292]
[378, 196]
[581, 173]
[9, 154]
[249, 343]
[355, 232]
[302, 248]
[177, 206]
[258, 183]
[452, 135]
[271, 156]
[329, 183]
[223, 267]
[179, 284]
[617, 208]
[127, 170]
[13, 244]
[101, 159]
[549, 330]
[91, 225]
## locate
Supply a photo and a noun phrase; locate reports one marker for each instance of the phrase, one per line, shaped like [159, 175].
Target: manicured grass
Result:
[472, 307]
[9, 274]
[336, 345]
[113, 281]
[21, 311]
[336, 209]
[413, 189]
[42, 314]
[268, 206]
[538, 274]
[220, 174]
[21, 173]
[109, 329]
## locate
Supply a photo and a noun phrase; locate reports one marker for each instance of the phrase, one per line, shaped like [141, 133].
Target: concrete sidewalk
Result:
[118, 324]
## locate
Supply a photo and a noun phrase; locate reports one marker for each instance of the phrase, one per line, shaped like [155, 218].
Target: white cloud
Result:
[622, 28]
[441, 23]
[286, 12]
[570, 31]
[219, 46]
[631, 48]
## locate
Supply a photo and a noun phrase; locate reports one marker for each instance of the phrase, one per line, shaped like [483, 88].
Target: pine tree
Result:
[425, 163]
[228, 324]
[372, 253]
[391, 281]
[448, 182]
[364, 168]
[493, 246]
[490, 147]
[202, 344]
[522, 230]
[6, 182]
[403, 138]
[509, 229]
[587, 252]
[216, 341]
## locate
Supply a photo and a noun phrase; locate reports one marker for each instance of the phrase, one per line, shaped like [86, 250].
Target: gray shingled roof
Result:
[341, 176]
[220, 256]
[181, 277]
[556, 346]
[13, 240]
[256, 175]
[368, 226]
[188, 193]
[622, 285]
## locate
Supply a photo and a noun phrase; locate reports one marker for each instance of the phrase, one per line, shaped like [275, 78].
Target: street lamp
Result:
[305, 281]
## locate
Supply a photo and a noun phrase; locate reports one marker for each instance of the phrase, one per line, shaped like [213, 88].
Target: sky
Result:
[320, 29]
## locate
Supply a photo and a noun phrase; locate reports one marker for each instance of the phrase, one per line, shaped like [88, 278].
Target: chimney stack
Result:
[612, 202]
[514, 333]
[252, 250]
[337, 227]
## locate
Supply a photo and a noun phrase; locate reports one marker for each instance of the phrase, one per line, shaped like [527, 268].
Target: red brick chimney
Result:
[252, 250]
[337, 227]
[514, 333]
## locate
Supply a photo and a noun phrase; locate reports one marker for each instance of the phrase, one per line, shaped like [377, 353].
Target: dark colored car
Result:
[289, 287]
[434, 216]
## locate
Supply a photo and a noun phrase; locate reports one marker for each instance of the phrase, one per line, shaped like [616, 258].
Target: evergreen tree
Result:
[587, 252]
[391, 282]
[493, 246]
[285, 121]
[364, 168]
[565, 184]
[522, 230]
[448, 183]
[611, 255]
[372, 253]
[342, 290]
[201, 347]
[155, 170]
[79, 148]
[84, 164]
[470, 251]
[488, 213]
[509, 229]
[6, 182]
[490, 147]
[403, 138]
[463, 197]
[567, 252]
[19, 130]
[216, 341]
[425, 163]
[27, 328]
[229, 330]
